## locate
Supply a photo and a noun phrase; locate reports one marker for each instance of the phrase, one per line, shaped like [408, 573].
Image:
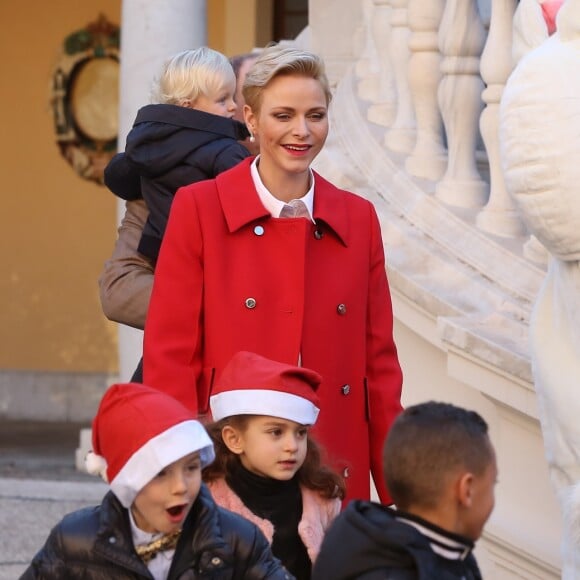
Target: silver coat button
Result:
[345, 389]
[341, 309]
[318, 234]
[250, 303]
[259, 230]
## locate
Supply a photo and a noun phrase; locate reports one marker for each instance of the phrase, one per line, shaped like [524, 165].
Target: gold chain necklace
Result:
[150, 550]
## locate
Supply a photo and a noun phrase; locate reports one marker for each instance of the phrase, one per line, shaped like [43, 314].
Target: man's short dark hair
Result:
[426, 444]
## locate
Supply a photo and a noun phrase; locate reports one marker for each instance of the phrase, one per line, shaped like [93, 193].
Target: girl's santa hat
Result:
[253, 385]
[137, 432]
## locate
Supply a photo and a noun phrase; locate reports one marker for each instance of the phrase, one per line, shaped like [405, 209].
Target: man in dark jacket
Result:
[158, 521]
[440, 469]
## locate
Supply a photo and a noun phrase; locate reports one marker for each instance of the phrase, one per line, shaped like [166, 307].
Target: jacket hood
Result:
[165, 136]
[370, 536]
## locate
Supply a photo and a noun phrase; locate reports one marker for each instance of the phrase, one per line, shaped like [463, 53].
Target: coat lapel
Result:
[241, 204]
[238, 198]
[330, 207]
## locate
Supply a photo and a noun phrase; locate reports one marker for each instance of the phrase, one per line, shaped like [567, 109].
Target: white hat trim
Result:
[159, 452]
[263, 402]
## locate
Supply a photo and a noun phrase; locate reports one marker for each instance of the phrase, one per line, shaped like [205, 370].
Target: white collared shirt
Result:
[160, 565]
[273, 204]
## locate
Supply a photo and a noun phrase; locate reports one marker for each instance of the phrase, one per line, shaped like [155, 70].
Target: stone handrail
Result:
[415, 128]
[463, 269]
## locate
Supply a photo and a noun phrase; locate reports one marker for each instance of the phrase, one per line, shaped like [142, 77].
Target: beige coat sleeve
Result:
[127, 277]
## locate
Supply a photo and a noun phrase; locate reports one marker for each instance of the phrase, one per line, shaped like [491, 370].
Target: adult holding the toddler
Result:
[188, 134]
[236, 273]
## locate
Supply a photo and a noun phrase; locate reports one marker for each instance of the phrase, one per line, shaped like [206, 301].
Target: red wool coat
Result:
[231, 278]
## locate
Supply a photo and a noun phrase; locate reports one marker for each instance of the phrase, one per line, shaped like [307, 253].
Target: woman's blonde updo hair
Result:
[276, 61]
[191, 73]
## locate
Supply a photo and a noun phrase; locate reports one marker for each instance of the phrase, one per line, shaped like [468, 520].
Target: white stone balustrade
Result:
[461, 41]
[382, 111]
[500, 215]
[401, 136]
[367, 67]
[462, 298]
[428, 158]
[339, 49]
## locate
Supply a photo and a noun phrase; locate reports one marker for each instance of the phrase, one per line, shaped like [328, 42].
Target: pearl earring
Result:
[252, 138]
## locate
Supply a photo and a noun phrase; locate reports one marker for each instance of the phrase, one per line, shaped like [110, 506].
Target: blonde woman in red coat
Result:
[234, 274]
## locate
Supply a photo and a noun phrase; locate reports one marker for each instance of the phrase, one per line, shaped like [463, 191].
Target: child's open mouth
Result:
[176, 512]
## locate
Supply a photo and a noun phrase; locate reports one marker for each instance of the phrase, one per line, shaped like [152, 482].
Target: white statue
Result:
[540, 149]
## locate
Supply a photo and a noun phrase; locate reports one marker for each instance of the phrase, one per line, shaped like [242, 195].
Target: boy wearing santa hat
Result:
[158, 520]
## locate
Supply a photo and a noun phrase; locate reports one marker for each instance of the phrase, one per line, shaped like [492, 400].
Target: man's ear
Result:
[233, 439]
[465, 489]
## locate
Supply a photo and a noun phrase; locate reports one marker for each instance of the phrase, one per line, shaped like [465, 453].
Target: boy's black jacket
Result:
[95, 544]
[367, 542]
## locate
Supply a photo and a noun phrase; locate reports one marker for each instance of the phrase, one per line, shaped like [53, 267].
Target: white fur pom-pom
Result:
[96, 465]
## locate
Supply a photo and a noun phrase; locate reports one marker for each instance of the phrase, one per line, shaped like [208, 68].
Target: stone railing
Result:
[415, 129]
[415, 124]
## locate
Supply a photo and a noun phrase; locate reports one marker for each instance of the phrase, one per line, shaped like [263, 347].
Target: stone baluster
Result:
[366, 62]
[332, 32]
[382, 112]
[429, 158]
[500, 215]
[359, 39]
[461, 40]
[367, 67]
[401, 135]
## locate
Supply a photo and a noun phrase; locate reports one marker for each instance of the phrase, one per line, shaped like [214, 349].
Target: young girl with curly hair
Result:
[268, 468]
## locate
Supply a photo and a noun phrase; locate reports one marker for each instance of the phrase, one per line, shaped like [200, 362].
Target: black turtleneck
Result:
[280, 502]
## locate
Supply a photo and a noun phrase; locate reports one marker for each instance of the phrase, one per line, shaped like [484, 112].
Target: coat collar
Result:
[201, 541]
[317, 514]
[113, 539]
[241, 204]
[191, 119]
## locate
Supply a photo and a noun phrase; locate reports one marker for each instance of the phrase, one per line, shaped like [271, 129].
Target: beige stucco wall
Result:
[237, 26]
[57, 228]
